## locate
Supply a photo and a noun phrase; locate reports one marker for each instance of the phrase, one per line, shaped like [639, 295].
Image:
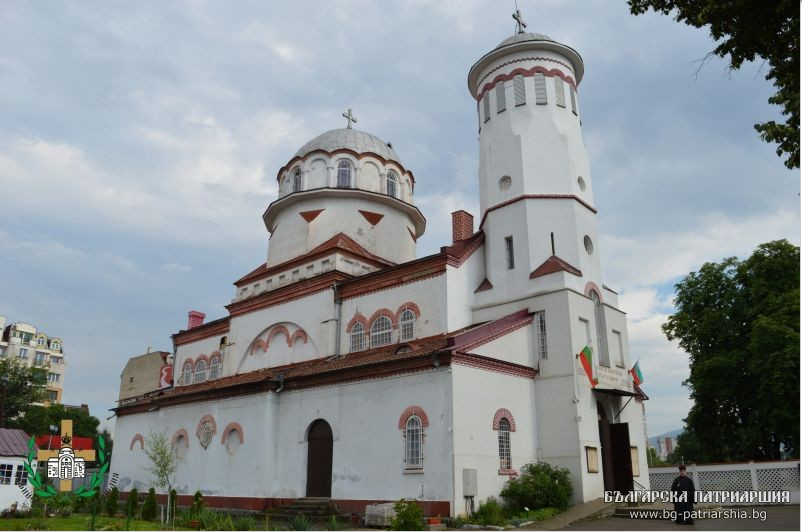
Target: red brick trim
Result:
[199, 358]
[408, 305]
[554, 72]
[508, 472]
[358, 318]
[258, 344]
[554, 264]
[180, 432]
[502, 65]
[359, 156]
[285, 294]
[310, 215]
[372, 217]
[201, 332]
[503, 413]
[384, 312]
[203, 420]
[232, 426]
[537, 196]
[485, 285]
[279, 329]
[494, 365]
[413, 411]
[591, 286]
[137, 438]
[408, 272]
[300, 334]
[494, 335]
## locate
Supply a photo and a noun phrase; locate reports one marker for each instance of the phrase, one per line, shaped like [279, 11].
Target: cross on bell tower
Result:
[349, 115]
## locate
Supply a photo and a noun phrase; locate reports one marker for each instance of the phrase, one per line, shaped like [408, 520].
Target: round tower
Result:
[536, 193]
[344, 181]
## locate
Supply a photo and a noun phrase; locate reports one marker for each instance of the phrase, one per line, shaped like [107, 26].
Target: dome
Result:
[521, 37]
[351, 139]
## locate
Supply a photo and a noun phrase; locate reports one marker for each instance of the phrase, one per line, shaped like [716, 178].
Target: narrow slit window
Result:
[486, 106]
[414, 443]
[573, 99]
[559, 88]
[296, 180]
[510, 253]
[540, 89]
[357, 337]
[501, 97]
[540, 325]
[392, 184]
[344, 174]
[504, 452]
[519, 89]
[407, 325]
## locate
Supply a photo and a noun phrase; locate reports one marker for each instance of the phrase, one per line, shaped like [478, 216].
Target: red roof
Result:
[48, 441]
[13, 442]
[554, 264]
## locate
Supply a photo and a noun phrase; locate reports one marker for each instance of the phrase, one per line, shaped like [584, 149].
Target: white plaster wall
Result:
[461, 284]
[478, 395]
[11, 493]
[191, 351]
[516, 347]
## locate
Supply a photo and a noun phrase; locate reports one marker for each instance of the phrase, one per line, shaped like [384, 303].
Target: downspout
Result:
[338, 306]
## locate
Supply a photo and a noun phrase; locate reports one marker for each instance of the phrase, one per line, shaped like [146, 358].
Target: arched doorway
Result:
[319, 458]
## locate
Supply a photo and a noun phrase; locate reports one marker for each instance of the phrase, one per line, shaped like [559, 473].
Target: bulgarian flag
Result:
[586, 357]
[636, 373]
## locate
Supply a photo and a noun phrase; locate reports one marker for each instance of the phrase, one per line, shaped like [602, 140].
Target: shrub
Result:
[149, 509]
[173, 499]
[112, 502]
[197, 505]
[300, 522]
[334, 525]
[132, 503]
[489, 512]
[408, 516]
[245, 522]
[539, 486]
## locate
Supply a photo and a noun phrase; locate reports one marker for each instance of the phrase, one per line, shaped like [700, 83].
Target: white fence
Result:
[738, 476]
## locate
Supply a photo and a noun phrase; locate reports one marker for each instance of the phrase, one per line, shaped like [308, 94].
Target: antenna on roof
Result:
[520, 25]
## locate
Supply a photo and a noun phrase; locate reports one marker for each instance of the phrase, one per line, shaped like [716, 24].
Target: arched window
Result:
[344, 171]
[413, 443]
[601, 329]
[200, 371]
[504, 454]
[186, 373]
[381, 331]
[357, 337]
[296, 180]
[392, 184]
[407, 325]
[214, 367]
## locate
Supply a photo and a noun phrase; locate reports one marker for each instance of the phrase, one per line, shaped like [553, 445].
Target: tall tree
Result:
[747, 30]
[38, 419]
[739, 323]
[20, 387]
[164, 462]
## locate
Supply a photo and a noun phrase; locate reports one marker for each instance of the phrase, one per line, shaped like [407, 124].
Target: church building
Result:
[347, 368]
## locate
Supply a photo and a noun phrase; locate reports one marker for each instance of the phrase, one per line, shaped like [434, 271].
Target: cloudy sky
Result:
[139, 143]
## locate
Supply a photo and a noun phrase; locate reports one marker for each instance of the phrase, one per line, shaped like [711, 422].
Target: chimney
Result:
[461, 225]
[195, 319]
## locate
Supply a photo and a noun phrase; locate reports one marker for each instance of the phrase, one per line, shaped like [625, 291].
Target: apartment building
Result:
[36, 348]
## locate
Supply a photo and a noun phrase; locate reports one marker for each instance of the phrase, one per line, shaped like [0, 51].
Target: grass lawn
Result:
[77, 522]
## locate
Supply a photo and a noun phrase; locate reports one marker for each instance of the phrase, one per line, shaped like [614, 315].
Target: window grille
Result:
[540, 325]
[414, 443]
[504, 453]
[214, 367]
[407, 325]
[21, 477]
[186, 373]
[381, 332]
[601, 329]
[392, 184]
[5, 473]
[357, 337]
[486, 106]
[540, 89]
[519, 89]
[501, 97]
[200, 371]
[296, 181]
[559, 88]
[344, 174]
[573, 99]
[205, 433]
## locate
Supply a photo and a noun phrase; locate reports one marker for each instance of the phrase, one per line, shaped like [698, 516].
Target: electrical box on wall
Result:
[469, 488]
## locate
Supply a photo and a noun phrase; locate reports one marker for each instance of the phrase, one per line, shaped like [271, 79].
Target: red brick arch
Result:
[591, 286]
[503, 413]
[300, 334]
[232, 426]
[279, 329]
[203, 420]
[137, 438]
[384, 312]
[199, 358]
[408, 305]
[180, 432]
[412, 411]
[358, 318]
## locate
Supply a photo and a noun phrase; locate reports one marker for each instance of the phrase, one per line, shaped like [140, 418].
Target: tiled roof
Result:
[13, 442]
[554, 264]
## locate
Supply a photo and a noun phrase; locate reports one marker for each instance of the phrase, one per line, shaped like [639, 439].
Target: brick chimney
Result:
[461, 225]
[195, 319]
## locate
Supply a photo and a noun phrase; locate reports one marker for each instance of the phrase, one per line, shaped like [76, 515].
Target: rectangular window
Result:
[52, 396]
[486, 106]
[53, 377]
[573, 99]
[269, 284]
[2, 351]
[6, 471]
[39, 358]
[559, 89]
[592, 455]
[21, 477]
[296, 274]
[540, 330]
[633, 452]
[519, 89]
[310, 270]
[510, 253]
[55, 360]
[501, 97]
[540, 89]
[618, 343]
[23, 353]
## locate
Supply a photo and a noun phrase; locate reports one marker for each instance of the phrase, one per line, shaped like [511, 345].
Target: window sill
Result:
[418, 471]
[508, 472]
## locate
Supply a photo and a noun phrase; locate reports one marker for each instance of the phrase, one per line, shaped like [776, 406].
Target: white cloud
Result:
[176, 267]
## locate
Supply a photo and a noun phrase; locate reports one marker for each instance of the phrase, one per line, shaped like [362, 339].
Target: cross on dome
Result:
[519, 20]
[349, 115]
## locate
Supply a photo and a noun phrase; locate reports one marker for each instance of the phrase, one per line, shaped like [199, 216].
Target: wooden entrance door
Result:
[319, 458]
[606, 448]
[622, 458]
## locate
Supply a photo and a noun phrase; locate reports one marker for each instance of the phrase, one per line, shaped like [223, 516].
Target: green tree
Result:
[132, 503]
[37, 419]
[164, 461]
[112, 501]
[20, 387]
[739, 323]
[652, 458]
[149, 509]
[747, 30]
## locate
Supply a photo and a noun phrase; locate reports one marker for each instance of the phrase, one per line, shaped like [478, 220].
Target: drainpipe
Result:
[338, 311]
[280, 377]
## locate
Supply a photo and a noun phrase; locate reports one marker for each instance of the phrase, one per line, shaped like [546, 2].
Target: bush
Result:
[112, 502]
[539, 486]
[173, 499]
[149, 509]
[245, 522]
[132, 503]
[197, 505]
[408, 516]
[300, 522]
[489, 512]
[334, 525]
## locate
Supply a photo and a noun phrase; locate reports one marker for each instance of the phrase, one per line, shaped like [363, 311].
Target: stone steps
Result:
[314, 508]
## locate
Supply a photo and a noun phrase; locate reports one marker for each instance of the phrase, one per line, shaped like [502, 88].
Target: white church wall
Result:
[191, 351]
[478, 395]
[368, 456]
[461, 284]
[368, 177]
[516, 347]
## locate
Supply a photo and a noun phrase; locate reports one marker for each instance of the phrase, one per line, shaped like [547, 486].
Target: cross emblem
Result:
[66, 448]
[519, 20]
[349, 115]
